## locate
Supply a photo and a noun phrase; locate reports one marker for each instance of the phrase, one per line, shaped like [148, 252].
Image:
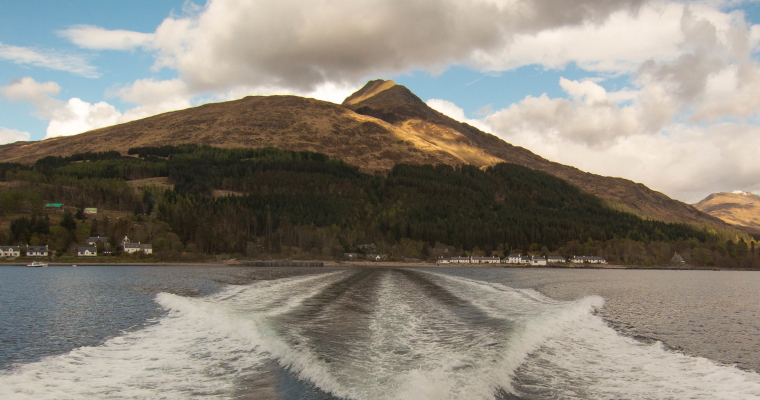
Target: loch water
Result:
[200, 332]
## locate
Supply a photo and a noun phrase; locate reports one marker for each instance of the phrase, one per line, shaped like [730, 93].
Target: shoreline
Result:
[369, 264]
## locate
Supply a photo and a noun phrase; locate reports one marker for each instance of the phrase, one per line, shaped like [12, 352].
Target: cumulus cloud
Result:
[50, 59]
[299, 45]
[12, 135]
[76, 115]
[97, 38]
[452, 110]
[31, 91]
[618, 45]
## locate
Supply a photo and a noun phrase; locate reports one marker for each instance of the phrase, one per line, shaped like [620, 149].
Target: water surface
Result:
[459, 333]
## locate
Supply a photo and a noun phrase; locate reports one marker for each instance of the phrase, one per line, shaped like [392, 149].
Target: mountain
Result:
[738, 208]
[379, 126]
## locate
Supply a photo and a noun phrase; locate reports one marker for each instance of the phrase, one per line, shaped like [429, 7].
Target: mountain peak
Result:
[370, 89]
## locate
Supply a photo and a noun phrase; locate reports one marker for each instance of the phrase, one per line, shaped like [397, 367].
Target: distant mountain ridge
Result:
[738, 208]
[379, 126]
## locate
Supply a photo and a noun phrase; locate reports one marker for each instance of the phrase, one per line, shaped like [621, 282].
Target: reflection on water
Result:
[363, 334]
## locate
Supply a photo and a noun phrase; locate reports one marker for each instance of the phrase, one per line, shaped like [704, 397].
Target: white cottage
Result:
[10, 251]
[37, 251]
[135, 247]
[87, 251]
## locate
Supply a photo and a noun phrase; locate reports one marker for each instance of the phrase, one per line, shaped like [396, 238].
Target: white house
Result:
[135, 247]
[93, 240]
[37, 251]
[88, 251]
[524, 260]
[590, 260]
[555, 259]
[538, 261]
[444, 260]
[485, 260]
[512, 259]
[375, 257]
[10, 251]
[460, 260]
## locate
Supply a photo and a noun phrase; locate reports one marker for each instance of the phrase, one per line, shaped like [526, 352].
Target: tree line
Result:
[270, 202]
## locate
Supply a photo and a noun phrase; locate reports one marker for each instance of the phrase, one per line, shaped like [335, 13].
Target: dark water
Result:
[251, 333]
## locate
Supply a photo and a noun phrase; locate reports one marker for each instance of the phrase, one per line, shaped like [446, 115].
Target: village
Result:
[517, 259]
[90, 250]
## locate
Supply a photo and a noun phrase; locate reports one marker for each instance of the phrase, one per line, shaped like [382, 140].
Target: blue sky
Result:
[660, 92]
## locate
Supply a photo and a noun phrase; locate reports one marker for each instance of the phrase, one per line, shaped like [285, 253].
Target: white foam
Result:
[198, 349]
[417, 346]
[569, 352]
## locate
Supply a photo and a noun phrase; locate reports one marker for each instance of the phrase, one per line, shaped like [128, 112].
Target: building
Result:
[37, 251]
[555, 259]
[87, 251]
[524, 260]
[351, 256]
[540, 260]
[10, 251]
[444, 260]
[589, 260]
[677, 260]
[460, 260]
[93, 240]
[512, 259]
[375, 257]
[486, 260]
[130, 247]
[54, 206]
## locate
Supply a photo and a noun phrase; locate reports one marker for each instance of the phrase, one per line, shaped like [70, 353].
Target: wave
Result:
[379, 334]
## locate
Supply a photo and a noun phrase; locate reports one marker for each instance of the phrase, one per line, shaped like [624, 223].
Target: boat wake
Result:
[376, 334]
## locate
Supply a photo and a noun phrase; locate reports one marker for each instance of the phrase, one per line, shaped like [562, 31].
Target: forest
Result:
[193, 201]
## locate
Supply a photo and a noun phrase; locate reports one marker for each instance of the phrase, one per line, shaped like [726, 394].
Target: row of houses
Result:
[83, 251]
[522, 260]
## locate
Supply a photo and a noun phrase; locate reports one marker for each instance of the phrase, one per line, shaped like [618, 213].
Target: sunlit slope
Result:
[740, 209]
[400, 107]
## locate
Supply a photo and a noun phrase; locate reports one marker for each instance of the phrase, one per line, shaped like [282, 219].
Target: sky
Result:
[665, 93]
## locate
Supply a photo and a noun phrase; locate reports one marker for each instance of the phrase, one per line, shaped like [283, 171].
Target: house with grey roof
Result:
[10, 251]
[87, 251]
[37, 251]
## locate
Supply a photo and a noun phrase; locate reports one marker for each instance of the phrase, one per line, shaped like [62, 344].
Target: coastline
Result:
[373, 264]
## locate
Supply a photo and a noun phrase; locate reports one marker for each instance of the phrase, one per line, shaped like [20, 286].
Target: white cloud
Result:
[619, 45]
[77, 116]
[12, 135]
[31, 91]
[453, 111]
[97, 38]
[49, 59]
[300, 45]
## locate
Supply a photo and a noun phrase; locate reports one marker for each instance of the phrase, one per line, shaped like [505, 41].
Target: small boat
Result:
[36, 264]
[74, 265]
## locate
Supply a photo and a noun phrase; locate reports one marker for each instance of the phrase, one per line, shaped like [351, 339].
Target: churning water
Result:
[355, 334]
